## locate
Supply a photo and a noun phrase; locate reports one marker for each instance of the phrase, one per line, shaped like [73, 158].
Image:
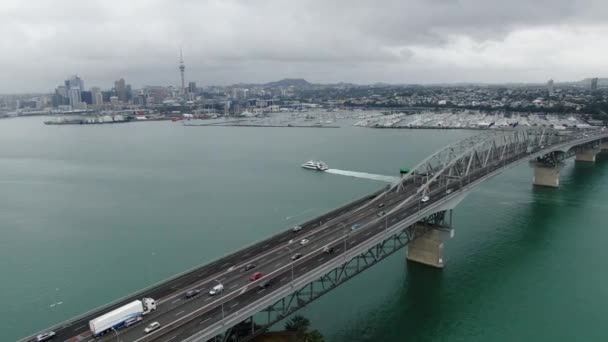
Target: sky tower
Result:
[182, 67]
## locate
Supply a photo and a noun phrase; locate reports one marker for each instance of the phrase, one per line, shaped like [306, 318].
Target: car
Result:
[296, 256]
[296, 229]
[355, 226]
[381, 205]
[255, 276]
[249, 267]
[150, 328]
[328, 249]
[304, 241]
[192, 293]
[265, 284]
[45, 336]
[382, 213]
[425, 199]
[132, 321]
[448, 191]
[217, 289]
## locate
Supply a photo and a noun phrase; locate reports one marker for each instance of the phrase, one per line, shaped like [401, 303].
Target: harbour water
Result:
[92, 213]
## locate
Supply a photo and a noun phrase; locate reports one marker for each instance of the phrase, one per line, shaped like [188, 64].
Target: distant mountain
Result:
[290, 82]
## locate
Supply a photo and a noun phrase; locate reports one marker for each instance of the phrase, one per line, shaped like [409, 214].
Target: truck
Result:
[117, 318]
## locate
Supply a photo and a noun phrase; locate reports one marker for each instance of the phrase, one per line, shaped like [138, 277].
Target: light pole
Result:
[116, 332]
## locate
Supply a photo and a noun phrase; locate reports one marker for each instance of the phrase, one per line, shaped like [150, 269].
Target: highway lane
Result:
[80, 326]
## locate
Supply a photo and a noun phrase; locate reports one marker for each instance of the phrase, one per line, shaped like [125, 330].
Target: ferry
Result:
[315, 165]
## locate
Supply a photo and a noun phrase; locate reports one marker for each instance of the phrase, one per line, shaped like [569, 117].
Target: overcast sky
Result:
[230, 41]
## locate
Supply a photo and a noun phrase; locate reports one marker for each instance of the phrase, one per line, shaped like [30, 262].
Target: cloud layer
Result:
[228, 41]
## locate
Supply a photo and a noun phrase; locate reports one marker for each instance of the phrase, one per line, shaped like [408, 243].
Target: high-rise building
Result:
[121, 90]
[182, 68]
[96, 96]
[192, 87]
[594, 83]
[86, 97]
[75, 99]
[74, 82]
[550, 87]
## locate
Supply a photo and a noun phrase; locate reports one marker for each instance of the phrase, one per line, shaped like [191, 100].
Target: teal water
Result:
[91, 213]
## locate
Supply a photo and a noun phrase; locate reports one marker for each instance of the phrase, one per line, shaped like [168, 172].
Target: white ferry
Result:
[315, 165]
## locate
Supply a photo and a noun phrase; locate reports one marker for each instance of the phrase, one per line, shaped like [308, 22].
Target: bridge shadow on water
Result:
[432, 304]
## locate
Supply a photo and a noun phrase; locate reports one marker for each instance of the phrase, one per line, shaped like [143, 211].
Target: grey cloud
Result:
[230, 41]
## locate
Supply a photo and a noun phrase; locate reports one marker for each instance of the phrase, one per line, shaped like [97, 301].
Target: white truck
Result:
[120, 317]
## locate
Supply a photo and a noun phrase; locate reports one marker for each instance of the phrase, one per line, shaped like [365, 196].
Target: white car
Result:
[153, 326]
[425, 199]
[296, 229]
[45, 336]
[304, 241]
[216, 290]
[448, 191]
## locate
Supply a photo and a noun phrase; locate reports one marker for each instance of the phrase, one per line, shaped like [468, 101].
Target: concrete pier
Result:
[428, 248]
[546, 175]
[587, 156]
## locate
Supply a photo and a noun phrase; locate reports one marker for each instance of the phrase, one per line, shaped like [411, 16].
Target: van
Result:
[217, 289]
[328, 249]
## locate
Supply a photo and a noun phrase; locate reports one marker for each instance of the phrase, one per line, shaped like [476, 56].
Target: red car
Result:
[255, 276]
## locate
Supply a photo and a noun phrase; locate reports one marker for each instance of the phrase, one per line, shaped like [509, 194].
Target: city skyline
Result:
[232, 41]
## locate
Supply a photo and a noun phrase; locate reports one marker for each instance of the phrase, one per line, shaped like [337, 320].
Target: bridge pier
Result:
[587, 155]
[604, 146]
[546, 175]
[427, 249]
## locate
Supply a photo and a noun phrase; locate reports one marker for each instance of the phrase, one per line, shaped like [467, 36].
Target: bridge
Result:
[340, 244]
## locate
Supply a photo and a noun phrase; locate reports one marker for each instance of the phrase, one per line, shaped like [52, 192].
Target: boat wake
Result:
[383, 178]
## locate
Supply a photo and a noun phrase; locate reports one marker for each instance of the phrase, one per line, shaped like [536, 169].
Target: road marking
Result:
[262, 290]
[233, 286]
[82, 326]
[352, 242]
[222, 279]
[314, 246]
[234, 305]
[207, 299]
[321, 259]
[262, 260]
[367, 234]
[205, 320]
[226, 264]
[176, 285]
[248, 254]
[331, 238]
[393, 220]
[277, 264]
[179, 313]
[172, 338]
[175, 301]
[266, 246]
[303, 268]
[282, 280]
